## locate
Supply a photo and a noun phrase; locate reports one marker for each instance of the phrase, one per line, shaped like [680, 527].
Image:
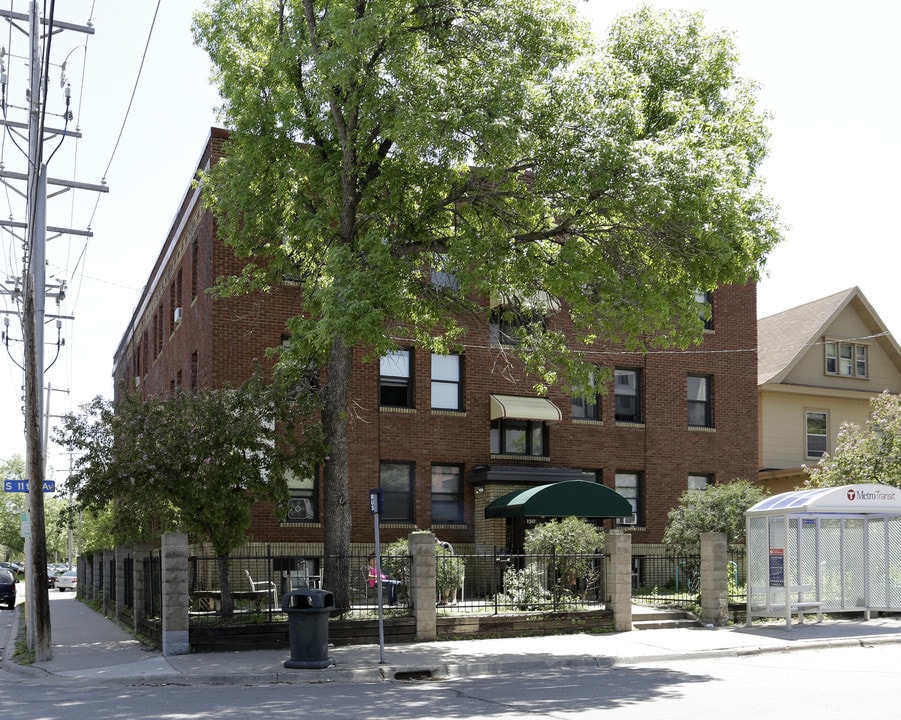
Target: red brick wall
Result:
[230, 335]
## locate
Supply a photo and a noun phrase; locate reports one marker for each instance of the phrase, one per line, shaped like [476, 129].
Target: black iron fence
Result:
[496, 582]
[491, 583]
[501, 582]
[260, 575]
[662, 578]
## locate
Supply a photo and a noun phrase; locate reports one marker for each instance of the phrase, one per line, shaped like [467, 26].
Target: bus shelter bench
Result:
[800, 606]
[797, 606]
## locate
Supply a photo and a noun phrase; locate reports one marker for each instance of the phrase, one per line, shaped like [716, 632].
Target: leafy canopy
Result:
[195, 462]
[494, 140]
[870, 454]
[718, 508]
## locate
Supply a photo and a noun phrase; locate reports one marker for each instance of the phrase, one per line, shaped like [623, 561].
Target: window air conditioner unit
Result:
[177, 316]
[300, 509]
[629, 520]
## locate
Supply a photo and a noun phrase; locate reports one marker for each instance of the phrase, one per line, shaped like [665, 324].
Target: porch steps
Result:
[652, 619]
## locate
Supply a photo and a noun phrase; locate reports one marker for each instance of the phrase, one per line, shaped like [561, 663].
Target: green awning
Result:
[524, 408]
[578, 498]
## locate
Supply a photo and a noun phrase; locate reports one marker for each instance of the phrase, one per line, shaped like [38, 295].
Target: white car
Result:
[67, 581]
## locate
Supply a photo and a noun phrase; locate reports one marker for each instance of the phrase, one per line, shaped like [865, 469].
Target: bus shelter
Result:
[834, 549]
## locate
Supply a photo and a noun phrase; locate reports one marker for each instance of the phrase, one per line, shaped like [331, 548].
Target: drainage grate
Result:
[413, 675]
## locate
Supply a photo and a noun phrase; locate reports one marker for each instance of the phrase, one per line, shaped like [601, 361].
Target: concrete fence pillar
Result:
[422, 584]
[175, 595]
[619, 578]
[714, 578]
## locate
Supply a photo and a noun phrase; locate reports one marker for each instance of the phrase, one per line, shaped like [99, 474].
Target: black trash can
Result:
[308, 611]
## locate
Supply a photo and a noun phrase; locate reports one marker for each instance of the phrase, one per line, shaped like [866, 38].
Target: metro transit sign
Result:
[22, 486]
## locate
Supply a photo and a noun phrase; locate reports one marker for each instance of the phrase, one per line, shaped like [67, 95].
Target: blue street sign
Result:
[22, 486]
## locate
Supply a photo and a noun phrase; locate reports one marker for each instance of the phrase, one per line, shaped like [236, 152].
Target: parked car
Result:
[67, 581]
[52, 574]
[7, 588]
[14, 568]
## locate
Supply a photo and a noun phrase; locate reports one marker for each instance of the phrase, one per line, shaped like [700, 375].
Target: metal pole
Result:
[378, 576]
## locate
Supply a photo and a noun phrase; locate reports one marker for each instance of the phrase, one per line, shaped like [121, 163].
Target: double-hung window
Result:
[627, 395]
[396, 482]
[627, 484]
[587, 408]
[447, 494]
[447, 382]
[396, 379]
[700, 412]
[816, 435]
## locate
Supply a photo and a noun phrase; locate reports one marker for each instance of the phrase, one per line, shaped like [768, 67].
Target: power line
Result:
[130, 102]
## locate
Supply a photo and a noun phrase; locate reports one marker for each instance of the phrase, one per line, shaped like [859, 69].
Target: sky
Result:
[142, 100]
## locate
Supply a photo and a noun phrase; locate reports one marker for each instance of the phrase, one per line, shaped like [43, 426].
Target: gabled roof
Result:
[783, 338]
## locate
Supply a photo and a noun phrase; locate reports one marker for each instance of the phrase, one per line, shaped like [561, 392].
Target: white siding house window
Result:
[816, 434]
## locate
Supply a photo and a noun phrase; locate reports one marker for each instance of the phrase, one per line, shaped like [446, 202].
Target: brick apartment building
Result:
[446, 435]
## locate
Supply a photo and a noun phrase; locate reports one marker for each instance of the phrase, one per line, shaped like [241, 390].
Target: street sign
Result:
[25, 525]
[22, 486]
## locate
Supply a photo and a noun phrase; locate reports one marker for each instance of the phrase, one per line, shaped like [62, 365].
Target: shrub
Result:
[571, 542]
[524, 588]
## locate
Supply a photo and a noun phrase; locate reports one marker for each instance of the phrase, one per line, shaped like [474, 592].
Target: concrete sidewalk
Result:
[89, 647]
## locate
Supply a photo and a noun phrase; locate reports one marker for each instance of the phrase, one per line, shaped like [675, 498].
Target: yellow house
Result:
[818, 365]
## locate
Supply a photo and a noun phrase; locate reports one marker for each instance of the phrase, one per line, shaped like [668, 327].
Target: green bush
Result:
[449, 573]
[525, 589]
[571, 542]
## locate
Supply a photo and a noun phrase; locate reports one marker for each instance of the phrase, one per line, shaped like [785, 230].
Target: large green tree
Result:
[868, 454]
[374, 143]
[193, 461]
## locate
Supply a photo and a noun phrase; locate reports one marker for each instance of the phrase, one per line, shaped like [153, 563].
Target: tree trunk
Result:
[336, 500]
[225, 587]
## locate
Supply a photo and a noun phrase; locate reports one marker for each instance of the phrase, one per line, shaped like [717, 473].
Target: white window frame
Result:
[808, 435]
[447, 375]
[628, 484]
[846, 359]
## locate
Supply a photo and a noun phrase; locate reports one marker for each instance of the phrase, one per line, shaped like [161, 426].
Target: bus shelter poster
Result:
[777, 567]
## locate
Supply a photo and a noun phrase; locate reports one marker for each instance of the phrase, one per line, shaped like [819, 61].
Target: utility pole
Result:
[40, 32]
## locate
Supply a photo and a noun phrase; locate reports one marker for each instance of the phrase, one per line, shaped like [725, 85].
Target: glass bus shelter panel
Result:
[808, 558]
[877, 567]
[758, 565]
[853, 558]
[830, 563]
[893, 562]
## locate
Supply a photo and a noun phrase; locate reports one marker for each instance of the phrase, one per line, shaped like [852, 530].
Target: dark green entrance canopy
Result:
[579, 498]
